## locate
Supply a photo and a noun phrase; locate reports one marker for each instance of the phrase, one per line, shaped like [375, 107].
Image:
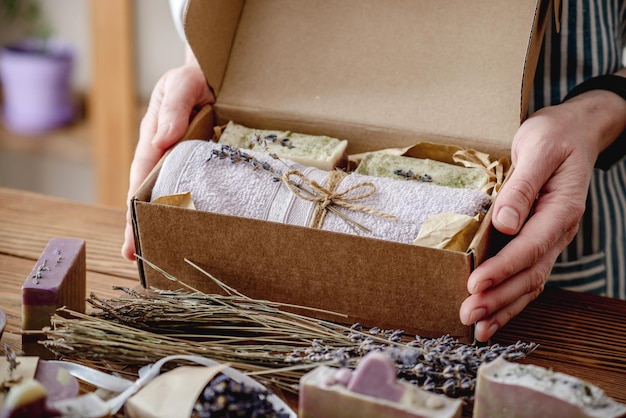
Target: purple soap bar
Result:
[505, 389]
[371, 391]
[3, 322]
[57, 279]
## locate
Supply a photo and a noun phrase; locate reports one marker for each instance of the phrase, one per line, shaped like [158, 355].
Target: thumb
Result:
[184, 90]
[517, 196]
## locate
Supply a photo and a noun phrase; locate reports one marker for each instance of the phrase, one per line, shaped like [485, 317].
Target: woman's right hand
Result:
[175, 99]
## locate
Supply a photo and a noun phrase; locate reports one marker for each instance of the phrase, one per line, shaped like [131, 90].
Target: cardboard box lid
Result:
[383, 73]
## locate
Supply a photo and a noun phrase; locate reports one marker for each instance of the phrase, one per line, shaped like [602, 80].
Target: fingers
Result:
[492, 309]
[486, 328]
[171, 105]
[549, 230]
[186, 89]
[510, 287]
[128, 248]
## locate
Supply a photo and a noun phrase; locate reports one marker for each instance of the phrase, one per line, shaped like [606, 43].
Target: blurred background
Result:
[111, 53]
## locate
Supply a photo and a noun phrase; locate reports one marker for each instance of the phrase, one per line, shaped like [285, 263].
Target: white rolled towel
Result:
[395, 211]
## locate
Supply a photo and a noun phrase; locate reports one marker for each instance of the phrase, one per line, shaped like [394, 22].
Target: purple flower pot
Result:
[35, 77]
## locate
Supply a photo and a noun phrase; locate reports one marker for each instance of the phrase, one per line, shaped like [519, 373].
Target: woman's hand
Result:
[553, 155]
[173, 102]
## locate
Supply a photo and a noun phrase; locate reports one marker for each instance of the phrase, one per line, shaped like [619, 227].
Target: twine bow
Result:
[494, 169]
[328, 198]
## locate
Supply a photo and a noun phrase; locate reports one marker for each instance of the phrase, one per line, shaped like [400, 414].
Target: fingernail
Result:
[481, 285]
[162, 130]
[508, 217]
[477, 314]
[492, 329]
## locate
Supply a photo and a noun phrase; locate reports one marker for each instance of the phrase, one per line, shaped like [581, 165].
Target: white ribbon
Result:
[127, 388]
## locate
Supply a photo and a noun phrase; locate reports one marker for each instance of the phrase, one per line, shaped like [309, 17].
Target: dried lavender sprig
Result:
[441, 365]
[273, 138]
[236, 155]
[410, 175]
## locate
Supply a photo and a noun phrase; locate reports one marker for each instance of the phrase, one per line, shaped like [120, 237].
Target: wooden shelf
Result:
[71, 142]
[107, 139]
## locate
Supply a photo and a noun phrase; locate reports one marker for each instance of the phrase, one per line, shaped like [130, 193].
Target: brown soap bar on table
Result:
[58, 279]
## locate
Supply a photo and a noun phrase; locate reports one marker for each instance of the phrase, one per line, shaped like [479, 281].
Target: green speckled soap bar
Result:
[318, 151]
[443, 174]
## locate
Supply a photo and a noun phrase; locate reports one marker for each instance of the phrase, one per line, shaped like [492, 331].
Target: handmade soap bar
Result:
[58, 279]
[371, 391]
[26, 399]
[35, 386]
[428, 171]
[506, 389]
[316, 151]
[3, 321]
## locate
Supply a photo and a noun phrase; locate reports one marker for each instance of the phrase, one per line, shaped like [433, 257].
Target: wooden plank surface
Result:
[28, 221]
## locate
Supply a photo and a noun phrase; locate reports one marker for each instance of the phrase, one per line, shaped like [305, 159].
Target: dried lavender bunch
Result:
[441, 365]
[224, 397]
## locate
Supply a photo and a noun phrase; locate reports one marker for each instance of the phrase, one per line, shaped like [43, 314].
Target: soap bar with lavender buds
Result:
[506, 389]
[58, 279]
[317, 151]
[400, 167]
[371, 391]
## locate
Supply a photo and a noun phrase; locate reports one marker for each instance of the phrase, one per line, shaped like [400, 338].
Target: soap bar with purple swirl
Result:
[3, 322]
[506, 389]
[58, 279]
[371, 391]
[36, 396]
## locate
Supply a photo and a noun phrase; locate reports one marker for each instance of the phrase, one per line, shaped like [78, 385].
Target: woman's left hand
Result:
[542, 202]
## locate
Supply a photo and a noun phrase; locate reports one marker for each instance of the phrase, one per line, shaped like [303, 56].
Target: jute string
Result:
[494, 169]
[327, 198]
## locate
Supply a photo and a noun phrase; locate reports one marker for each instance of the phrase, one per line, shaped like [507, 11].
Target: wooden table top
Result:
[579, 334]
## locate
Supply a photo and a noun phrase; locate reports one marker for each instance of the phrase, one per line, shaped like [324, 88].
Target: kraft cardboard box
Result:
[380, 74]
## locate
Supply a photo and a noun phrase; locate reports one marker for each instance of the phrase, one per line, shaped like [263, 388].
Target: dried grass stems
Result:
[259, 337]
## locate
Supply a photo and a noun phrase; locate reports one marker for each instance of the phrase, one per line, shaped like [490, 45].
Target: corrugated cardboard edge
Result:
[218, 29]
[532, 53]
